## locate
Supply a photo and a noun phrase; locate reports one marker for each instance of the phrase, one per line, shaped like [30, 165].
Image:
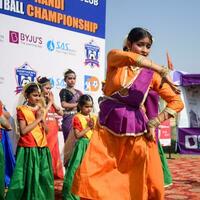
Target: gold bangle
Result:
[153, 123]
[164, 72]
[139, 61]
[159, 119]
[165, 115]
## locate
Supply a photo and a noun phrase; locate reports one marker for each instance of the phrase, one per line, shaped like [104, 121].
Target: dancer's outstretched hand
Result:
[167, 79]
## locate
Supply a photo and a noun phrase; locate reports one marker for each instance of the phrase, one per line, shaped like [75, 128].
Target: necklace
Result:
[32, 107]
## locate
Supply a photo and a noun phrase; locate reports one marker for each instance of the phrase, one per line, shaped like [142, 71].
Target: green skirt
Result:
[2, 171]
[33, 175]
[166, 171]
[74, 162]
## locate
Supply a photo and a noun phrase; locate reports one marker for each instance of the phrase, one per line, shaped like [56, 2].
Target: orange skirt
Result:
[119, 168]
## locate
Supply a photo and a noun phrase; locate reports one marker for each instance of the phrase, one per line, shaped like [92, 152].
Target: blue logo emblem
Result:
[92, 54]
[50, 45]
[60, 47]
[58, 83]
[24, 75]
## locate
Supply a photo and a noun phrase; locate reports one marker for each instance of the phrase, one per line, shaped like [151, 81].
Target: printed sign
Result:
[165, 133]
[189, 140]
[87, 17]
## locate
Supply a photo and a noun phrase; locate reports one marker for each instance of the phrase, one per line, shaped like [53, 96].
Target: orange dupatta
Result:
[39, 136]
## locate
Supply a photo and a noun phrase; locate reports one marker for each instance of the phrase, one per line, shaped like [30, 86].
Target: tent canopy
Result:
[185, 79]
[190, 79]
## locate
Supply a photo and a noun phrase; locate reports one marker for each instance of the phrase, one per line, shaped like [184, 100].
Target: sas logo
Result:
[92, 54]
[91, 83]
[24, 38]
[24, 74]
[192, 141]
[57, 83]
[60, 47]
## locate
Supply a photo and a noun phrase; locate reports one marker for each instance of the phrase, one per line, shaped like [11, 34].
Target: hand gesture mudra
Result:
[91, 123]
[167, 79]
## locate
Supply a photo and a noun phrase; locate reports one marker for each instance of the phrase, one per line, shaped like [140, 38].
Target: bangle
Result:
[159, 119]
[165, 113]
[164, 72]
[139, 61]
[153, 123]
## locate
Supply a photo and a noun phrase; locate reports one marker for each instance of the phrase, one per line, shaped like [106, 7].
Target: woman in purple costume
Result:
[69, 97]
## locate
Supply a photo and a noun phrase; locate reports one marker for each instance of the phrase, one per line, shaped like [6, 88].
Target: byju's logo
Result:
[14, 37]
[91, 83]
[60, 47]
[25, 39]
[192, 141]
[92, 54]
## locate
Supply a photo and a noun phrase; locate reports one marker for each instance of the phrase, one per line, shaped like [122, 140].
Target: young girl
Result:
[151, 107]
[122, 160]
[33, 175]
[52, 112]
[83, 124]
[69, 97]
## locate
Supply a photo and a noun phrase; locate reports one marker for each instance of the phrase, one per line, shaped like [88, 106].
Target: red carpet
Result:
[186, 180]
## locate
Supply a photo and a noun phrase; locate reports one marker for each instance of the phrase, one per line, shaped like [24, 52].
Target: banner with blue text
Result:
[84, 16]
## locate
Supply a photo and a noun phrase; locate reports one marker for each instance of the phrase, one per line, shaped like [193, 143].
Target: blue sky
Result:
[174, 24]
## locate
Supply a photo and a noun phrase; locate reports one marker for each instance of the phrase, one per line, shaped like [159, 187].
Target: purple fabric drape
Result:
[123, 114]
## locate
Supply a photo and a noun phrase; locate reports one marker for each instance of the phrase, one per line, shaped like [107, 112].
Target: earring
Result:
[125, 48]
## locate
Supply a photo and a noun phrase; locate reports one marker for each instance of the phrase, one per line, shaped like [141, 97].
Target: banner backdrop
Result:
[189, 118]
[84, 16]
[45, 38]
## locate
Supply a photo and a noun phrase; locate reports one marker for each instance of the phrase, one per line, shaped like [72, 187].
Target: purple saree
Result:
[69, 97]
[123, 115]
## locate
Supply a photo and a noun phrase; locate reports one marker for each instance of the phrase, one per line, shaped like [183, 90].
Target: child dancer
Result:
[52, 111]
[83, 124]
[33, 175]
[68, 98]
